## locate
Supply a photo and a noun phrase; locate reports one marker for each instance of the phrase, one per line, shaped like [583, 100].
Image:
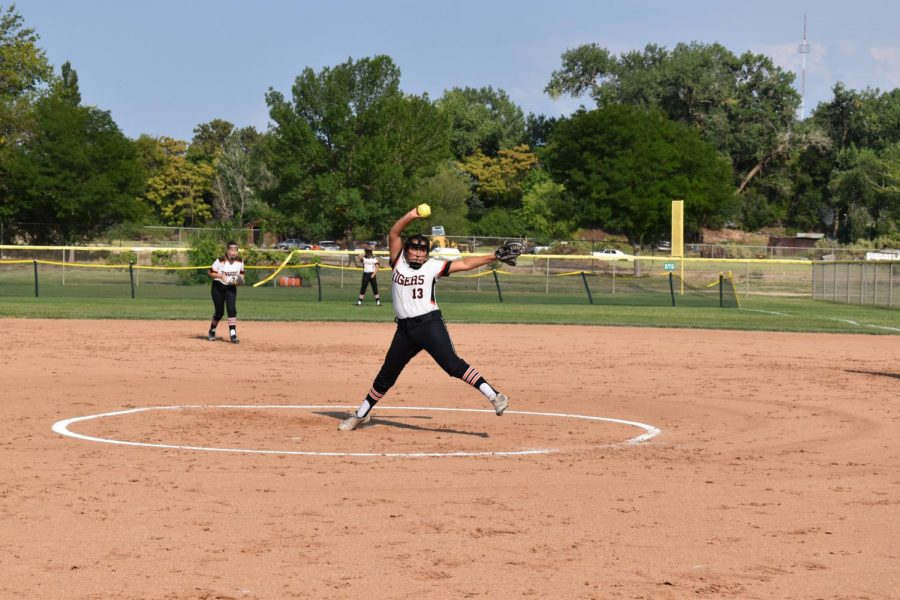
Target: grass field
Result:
[643, 302]
[279, 304]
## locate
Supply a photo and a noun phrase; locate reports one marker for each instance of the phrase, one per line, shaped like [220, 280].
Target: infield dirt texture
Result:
[776, 473]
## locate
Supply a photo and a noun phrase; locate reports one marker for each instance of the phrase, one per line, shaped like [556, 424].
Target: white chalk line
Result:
[848, 321]
[62, 428]
[857, 324]
[767, 312]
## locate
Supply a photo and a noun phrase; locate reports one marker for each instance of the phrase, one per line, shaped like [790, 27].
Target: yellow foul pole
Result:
[678, 235]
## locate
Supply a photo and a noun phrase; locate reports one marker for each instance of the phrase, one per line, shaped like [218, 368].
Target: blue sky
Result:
[162, 67]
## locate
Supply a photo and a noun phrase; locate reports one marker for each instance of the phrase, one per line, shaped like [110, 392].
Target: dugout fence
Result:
[874, 283]
[84, 272]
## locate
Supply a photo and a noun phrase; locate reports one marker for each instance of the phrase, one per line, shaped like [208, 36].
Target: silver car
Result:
[328, 245]
[293, 244]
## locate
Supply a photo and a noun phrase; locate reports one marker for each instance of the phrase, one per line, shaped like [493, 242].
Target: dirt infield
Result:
[776, 473]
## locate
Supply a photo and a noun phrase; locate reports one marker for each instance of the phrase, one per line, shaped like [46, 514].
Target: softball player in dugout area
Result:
[420, 325]
[227, 272]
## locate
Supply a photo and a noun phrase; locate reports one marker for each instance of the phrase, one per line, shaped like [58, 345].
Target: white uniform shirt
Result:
[228, 267]
[412, 290]
[369, 264]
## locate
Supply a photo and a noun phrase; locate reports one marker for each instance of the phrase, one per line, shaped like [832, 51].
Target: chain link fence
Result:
[875, 283]
[537, 278]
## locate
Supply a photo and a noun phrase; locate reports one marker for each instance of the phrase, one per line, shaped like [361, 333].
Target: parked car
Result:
[664, 246]
[446, 253]
[328, 245]
[612, 253]
[293, 244]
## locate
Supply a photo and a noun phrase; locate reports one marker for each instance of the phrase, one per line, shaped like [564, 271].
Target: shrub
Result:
[204, 250]
[121, 258]
[164, 258]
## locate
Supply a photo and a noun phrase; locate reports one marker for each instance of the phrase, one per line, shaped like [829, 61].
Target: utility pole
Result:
[803, 49]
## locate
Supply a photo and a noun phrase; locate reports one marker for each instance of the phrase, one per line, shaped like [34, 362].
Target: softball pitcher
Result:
[420, 325]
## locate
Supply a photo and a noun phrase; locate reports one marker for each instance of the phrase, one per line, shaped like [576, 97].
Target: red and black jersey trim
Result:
[445, 270]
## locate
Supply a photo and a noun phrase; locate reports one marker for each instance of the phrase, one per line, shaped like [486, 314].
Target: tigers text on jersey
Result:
[369, 264]
[228, 267]
[412, 290]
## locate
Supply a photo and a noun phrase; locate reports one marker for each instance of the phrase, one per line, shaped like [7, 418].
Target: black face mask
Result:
[416, 244]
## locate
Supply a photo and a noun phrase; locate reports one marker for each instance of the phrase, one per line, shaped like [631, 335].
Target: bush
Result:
[888, 241]
[121, 258]
[164, 258]
[204, 250]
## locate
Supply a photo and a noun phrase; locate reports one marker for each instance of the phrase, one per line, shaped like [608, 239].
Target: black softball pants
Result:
[428, 333]
[368, 279]
[222, 296]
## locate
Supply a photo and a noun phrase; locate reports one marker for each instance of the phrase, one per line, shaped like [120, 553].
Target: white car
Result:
[612, 253]
[446, 253]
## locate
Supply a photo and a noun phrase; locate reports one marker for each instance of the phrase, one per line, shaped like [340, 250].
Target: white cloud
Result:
[888, 54]
[847, 48]
[888, 59]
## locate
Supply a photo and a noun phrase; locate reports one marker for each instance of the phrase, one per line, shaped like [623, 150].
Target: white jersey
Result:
[229, 267]
[412, 290]
[369, 264]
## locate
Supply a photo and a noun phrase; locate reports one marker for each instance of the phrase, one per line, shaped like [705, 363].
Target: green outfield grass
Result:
[113, 301]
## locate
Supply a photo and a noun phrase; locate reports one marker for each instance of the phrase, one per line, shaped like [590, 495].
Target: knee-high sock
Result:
[368, 403]
[474, 378]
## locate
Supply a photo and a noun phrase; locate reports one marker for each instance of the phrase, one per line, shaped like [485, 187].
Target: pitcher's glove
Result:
[234, 280]
[509, 252]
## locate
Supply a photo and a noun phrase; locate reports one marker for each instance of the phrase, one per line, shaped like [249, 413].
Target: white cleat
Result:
[354, 422]
[500, 403]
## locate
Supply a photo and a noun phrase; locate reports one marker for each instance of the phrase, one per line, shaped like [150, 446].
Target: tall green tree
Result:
[622, 166]
[744, 105]
[866, 190]
[865, 119]
[23, 66]
[23, 71]
[498, 180]
[541, 204]
[482, 120]
[76, 169]
[539, 128]
[179, 189]
[447, 192]
[349, 147]
[210, 139]
[239, 171]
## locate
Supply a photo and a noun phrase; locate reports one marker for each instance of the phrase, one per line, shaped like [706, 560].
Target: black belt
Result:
[413, 322]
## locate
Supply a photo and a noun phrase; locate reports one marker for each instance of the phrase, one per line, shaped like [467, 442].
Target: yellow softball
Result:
[423, 209]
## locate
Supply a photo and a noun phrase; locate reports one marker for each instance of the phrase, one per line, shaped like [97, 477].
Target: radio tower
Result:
[803, 49]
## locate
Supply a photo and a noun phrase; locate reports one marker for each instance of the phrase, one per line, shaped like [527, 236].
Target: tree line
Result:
[347, 150]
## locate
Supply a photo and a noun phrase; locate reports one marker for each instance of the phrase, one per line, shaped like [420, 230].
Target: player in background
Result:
[227, 272]
[370, 269]
[420, 325]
